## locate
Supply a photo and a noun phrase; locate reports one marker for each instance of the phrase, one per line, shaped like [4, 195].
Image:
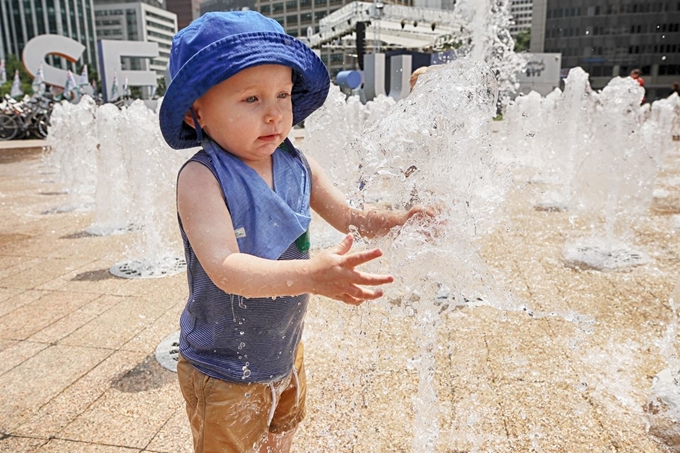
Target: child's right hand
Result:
[333, 274]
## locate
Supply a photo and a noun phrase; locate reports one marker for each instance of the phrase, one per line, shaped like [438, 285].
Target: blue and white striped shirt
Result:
[233, 338]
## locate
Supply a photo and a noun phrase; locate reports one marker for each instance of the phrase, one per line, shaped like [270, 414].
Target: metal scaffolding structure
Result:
[392, 25]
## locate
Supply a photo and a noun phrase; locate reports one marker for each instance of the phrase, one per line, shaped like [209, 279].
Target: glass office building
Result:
[137, 21]
[22, 20]
[609, 38]
[521, 12]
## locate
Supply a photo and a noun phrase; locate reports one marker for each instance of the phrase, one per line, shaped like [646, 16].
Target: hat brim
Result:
[224, 58]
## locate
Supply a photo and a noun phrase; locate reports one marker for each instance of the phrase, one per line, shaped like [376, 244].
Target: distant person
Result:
[675, 89]
[415, 74]
[636, 75]
[239, 84]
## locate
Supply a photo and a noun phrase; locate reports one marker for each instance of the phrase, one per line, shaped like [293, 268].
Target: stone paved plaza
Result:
[78, 374]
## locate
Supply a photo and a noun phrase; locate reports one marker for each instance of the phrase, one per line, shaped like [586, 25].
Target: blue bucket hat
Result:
[217, 46]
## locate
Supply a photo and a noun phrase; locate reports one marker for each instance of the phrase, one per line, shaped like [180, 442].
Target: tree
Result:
[12, 64]
[523, 41]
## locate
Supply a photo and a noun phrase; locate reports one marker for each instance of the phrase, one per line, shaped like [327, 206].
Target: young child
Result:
[239, 84]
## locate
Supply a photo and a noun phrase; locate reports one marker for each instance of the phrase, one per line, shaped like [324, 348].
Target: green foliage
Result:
[12, 64]
[160, 86]
[523, 41]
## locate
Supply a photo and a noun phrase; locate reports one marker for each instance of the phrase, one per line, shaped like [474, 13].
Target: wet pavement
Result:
[77, 344]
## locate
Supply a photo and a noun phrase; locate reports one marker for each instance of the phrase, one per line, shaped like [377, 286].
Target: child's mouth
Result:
[269, 138]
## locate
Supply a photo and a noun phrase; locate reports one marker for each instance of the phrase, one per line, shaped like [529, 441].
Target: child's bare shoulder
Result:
[195, 175]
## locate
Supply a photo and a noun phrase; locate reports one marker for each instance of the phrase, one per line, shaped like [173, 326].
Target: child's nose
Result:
[274, 113]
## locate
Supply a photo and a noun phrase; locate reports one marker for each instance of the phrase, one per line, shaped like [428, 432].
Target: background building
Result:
[208, 6]
[186, 10]
[22, 20]
[521, 11]
[609, 38]
[137, 21]
[297, 16]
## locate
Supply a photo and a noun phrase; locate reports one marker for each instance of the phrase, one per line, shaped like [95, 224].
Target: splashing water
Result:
[72, 140]
[122, 154]
[595, 155]
[433, 148]
[663, 406]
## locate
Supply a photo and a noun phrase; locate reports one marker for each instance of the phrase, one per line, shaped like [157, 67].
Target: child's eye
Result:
[284, 95]
[251, 99]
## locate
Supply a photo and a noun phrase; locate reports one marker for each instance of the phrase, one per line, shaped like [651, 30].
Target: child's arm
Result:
[208, 226]
[330, 203]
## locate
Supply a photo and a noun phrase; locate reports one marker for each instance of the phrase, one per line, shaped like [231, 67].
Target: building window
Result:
[292, 20]
[669, 69]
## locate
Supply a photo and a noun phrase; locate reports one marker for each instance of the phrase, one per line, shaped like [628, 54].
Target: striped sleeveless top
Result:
[233, 338]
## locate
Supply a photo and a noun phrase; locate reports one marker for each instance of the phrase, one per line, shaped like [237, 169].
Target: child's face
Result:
[249, 114]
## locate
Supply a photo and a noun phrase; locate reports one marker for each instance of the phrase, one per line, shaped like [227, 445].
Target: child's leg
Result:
[225, 417]
[278, 443]
[290, 409]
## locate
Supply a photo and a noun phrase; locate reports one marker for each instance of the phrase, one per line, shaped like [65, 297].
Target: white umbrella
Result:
[38, 84]
[114, 88]
[16, 86]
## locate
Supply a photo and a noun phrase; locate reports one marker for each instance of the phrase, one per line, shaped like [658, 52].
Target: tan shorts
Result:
[230, 417]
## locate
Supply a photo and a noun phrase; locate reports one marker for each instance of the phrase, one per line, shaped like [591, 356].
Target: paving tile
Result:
[6, 293]
[120, 323]
[174, 436]
[148, 339]
[34, 316]
[550, 418]
[575, 377]
[130, 418]
[526, 351]
[14, 353]
[66, 325]
[14, 444]
[66, 446]
[51, 418]
[48, 269]
[13, 264]
[37, 380]
[23, 297]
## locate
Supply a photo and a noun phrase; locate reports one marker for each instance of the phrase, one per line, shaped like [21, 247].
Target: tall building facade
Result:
[298, 16]
[186, 10]
[22, 20]
[609, 38]
[137, 21]
[208, 6]
[522, 12]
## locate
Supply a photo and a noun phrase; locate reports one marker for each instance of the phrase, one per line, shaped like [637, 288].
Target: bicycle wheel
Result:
[8, 127]
[42, 122]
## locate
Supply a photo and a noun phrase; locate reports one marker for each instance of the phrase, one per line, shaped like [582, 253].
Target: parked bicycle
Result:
[25, 119]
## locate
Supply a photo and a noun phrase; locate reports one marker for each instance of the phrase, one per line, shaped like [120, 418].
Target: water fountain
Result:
[596, 158]
[391, 367]
[117, 162]
[411, 155]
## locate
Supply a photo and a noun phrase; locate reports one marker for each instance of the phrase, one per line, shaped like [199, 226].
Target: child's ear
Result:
[189, 119]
